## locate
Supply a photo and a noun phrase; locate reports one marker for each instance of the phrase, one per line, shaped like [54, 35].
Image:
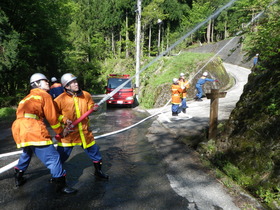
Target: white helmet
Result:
[66, 78]
[53, 79]
[182, 74]
[175, 80]
[37, 77]
[205, 74]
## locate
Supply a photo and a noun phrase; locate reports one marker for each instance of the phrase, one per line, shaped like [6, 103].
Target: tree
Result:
[150, 16]
[265, 40]
[174, 11]
[40, 26]
[9, 42]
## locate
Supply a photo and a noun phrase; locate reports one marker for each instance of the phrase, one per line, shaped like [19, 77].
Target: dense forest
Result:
[54, 37]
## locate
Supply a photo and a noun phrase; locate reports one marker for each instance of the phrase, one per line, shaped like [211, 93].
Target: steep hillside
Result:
[251, 140]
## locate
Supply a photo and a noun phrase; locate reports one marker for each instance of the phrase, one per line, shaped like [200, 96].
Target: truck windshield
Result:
[115, 82]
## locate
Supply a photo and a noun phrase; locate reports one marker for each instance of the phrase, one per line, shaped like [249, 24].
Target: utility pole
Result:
[138, 46]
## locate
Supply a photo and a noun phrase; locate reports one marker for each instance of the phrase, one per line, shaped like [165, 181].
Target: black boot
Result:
[174, 113]
[19, 179]
[61, 187]
[98, 172]
[184, 110]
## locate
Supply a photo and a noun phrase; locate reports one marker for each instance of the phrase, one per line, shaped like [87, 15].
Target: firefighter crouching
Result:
[30, 133]
[176, 91]
[71, 105]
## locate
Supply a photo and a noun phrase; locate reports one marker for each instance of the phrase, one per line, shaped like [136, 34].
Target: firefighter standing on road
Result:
[183, 82]
[56, 89]
[31, 134]
[72, 104]
[176, 91]
[200, 83]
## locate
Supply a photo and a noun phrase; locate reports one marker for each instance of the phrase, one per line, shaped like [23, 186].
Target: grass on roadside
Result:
[235, 178]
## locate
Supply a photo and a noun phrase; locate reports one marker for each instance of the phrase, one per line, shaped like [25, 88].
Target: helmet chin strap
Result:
[37, 83]
[69, 90]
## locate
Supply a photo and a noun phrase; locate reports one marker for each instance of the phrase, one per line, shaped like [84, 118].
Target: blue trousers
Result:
[175, 107]
[92, 152]
[47, 154]
[199, 90]
[184, 103]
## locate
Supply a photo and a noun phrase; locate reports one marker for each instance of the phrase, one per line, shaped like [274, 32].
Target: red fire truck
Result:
[124, 96]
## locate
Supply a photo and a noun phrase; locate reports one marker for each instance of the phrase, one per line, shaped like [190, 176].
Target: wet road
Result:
[137, 175]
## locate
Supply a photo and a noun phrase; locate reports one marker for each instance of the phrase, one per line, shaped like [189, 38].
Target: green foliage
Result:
[269, 196]
[245, 175]
[237, 175]
[266, 41]
[198, 14]
[36, 41]
[152, 12]
[208, 148]
[7, 112]
[273, 109]
[6, 101]
[9, 42]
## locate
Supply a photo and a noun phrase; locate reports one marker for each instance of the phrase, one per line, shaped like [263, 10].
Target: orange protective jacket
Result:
[71, 107]
[29, 129]
[176, 92]
[184, 93]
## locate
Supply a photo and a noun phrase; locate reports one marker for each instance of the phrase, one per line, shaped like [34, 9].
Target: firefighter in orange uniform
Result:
[31, 134]
[72, 104]
[183, 82]
[176, 91]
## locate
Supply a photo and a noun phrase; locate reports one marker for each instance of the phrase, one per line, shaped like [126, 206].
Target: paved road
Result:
[137, 176]
[184, 171]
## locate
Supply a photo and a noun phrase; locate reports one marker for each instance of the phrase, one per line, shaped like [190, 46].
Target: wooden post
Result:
[214, 104]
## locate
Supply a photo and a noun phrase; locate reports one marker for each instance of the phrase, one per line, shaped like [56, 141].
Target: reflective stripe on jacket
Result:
[184, 93]
[176, 94]
[29, 129]
[71, 107]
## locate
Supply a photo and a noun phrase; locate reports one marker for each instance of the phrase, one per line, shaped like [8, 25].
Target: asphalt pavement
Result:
[186, 175]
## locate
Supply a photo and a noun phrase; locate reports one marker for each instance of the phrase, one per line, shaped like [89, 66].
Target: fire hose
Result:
[94, 108]
[80, 119]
